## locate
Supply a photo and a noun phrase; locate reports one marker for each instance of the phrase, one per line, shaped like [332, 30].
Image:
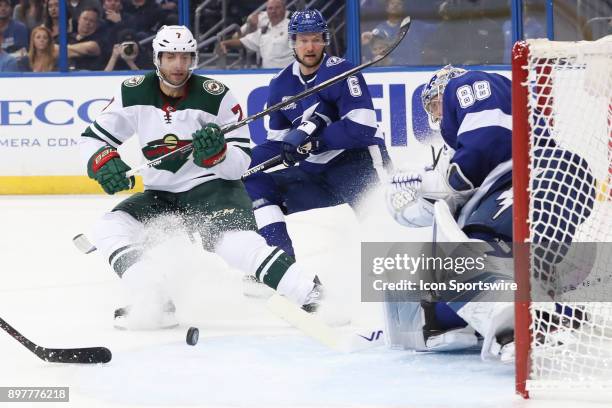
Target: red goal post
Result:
[563, 90]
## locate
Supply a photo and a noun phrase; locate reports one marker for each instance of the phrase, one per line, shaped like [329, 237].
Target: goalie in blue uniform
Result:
[329, 141]
[468, 197]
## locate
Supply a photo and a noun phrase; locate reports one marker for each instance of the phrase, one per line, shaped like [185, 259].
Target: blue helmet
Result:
[307, 21]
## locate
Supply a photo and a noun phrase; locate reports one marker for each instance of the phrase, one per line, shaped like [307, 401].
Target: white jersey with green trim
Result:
[162, 124]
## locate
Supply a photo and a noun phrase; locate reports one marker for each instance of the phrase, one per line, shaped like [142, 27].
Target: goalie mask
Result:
[435, 87]
[174, 39]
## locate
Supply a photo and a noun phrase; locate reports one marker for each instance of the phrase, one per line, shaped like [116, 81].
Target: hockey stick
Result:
[435, 157]
[314, 327]
[405, 25]
[87, 355]
[83, 244]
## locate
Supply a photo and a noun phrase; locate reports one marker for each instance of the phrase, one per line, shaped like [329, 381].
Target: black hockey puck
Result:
[192, 336]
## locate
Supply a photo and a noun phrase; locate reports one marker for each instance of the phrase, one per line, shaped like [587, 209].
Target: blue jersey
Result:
[477, 122]
[346, 105]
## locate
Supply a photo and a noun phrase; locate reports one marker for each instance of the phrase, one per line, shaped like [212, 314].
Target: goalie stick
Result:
[314, 327]
[86, 355]
[404, 27]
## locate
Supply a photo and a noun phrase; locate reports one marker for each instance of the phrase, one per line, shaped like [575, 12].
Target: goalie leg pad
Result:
[444, 330]
[445, 226]
[488, 318]
[414, 326]
[491, 320]
[452, 340]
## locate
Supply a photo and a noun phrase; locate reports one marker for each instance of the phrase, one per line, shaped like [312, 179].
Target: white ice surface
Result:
[59, 297]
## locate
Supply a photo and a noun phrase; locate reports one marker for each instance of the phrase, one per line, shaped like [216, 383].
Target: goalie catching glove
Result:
[209, 146]
[405, 201]
[107, 168]
[410, 196]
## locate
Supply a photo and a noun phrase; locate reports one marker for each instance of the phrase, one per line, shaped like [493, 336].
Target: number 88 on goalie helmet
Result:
[174, 38]
[431, 95]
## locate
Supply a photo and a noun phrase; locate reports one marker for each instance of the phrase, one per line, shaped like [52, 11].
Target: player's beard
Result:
[172, 84]
[308, 65]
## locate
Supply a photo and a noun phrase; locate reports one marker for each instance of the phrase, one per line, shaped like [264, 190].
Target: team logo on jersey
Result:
[133, 81]
[504, 201]
[213, 87]
[171, 141]
[157, 148]
[290, 106]
[331, 61]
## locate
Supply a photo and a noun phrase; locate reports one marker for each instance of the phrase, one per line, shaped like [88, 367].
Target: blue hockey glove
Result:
[299, 142]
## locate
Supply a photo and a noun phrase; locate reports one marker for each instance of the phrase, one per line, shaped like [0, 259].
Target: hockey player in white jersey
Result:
[167, 109]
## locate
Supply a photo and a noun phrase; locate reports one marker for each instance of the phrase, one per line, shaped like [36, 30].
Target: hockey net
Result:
[562, 169]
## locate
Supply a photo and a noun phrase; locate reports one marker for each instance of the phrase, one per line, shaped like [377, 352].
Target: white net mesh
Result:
[570, 209]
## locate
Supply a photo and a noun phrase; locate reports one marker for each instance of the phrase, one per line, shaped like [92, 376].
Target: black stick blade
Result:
[87, 355]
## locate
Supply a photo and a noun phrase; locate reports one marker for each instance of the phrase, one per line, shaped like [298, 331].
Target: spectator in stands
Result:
[7, 61]
[238, 9]
[76, 7]
[29, 12]
[377, 46]
[270, 41]
[168, 6]
[86, 45]
[369, 7]
[127, 54]
[114, 19]
[145, 16]
[256, 21]
[42, 56]
[15, 34]
[411, 50]
[52, 18]
[477, 24]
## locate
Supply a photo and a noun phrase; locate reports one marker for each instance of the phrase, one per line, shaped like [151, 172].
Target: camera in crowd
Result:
[129, 49]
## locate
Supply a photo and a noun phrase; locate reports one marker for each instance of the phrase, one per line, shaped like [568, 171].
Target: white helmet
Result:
[174, 38]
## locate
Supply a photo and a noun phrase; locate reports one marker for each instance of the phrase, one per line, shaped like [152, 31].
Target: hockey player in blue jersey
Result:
[467, 197]
[329, 141]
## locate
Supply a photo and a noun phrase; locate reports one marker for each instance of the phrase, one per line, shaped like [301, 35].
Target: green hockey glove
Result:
[209, 146]
[107, 168]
